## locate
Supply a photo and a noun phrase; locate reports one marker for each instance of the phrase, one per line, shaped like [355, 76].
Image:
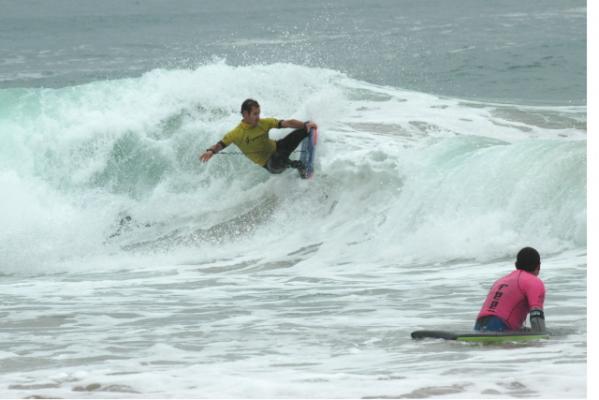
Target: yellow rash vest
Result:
[254, 141]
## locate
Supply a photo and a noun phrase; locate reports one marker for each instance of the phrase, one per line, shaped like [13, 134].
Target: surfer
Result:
[251, 137]
[513, 296]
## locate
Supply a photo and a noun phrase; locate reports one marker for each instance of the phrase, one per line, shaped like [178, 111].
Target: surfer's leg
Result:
[280, 159]
[490, 323]
[297, 164]
[289, 143]
[277, 163]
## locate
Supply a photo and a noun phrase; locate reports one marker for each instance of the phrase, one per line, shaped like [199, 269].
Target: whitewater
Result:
[130, 269]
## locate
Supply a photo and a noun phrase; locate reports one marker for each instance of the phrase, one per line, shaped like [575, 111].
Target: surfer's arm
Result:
[537, 320]
[207, 155]
[294, 123]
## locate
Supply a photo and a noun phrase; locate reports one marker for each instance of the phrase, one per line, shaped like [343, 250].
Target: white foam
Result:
[395, 166]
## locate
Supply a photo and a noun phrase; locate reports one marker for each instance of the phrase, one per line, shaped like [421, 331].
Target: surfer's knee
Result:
[276, 164]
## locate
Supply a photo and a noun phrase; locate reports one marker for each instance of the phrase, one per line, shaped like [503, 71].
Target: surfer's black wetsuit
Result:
[280, 158]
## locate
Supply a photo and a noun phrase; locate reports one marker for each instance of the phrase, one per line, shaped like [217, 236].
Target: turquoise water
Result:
[510, 51]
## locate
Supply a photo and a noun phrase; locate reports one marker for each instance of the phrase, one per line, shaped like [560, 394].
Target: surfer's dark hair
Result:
[248, 104]
[528, 259]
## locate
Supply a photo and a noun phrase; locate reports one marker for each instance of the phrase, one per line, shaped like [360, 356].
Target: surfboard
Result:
[308, 153]
[481, 337]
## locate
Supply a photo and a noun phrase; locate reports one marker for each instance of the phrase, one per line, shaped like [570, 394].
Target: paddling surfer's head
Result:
[528, 259]
[250, 110]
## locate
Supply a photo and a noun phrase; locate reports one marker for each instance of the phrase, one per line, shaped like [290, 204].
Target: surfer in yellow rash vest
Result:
[251, 136]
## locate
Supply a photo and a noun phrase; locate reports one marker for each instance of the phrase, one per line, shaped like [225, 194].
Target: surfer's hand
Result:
[206, 156]
[310, 125]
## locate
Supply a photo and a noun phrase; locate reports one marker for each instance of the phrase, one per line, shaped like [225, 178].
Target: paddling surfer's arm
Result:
[537, 320]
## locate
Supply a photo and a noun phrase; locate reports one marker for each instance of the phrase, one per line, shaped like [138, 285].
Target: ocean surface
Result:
[451, 135]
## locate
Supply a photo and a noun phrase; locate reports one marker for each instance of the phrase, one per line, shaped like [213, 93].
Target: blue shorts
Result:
[491, 323]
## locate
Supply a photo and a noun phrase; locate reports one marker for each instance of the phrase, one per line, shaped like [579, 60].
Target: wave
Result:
[110, 167]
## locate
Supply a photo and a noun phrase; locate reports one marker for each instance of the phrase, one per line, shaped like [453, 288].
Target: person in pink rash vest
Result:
[514, 296]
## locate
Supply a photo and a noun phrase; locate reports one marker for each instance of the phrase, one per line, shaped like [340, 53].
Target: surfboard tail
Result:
[434, 335]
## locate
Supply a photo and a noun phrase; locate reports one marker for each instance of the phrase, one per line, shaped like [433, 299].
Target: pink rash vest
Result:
[513, 296]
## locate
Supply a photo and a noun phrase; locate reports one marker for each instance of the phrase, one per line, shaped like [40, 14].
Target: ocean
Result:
[452, 134]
